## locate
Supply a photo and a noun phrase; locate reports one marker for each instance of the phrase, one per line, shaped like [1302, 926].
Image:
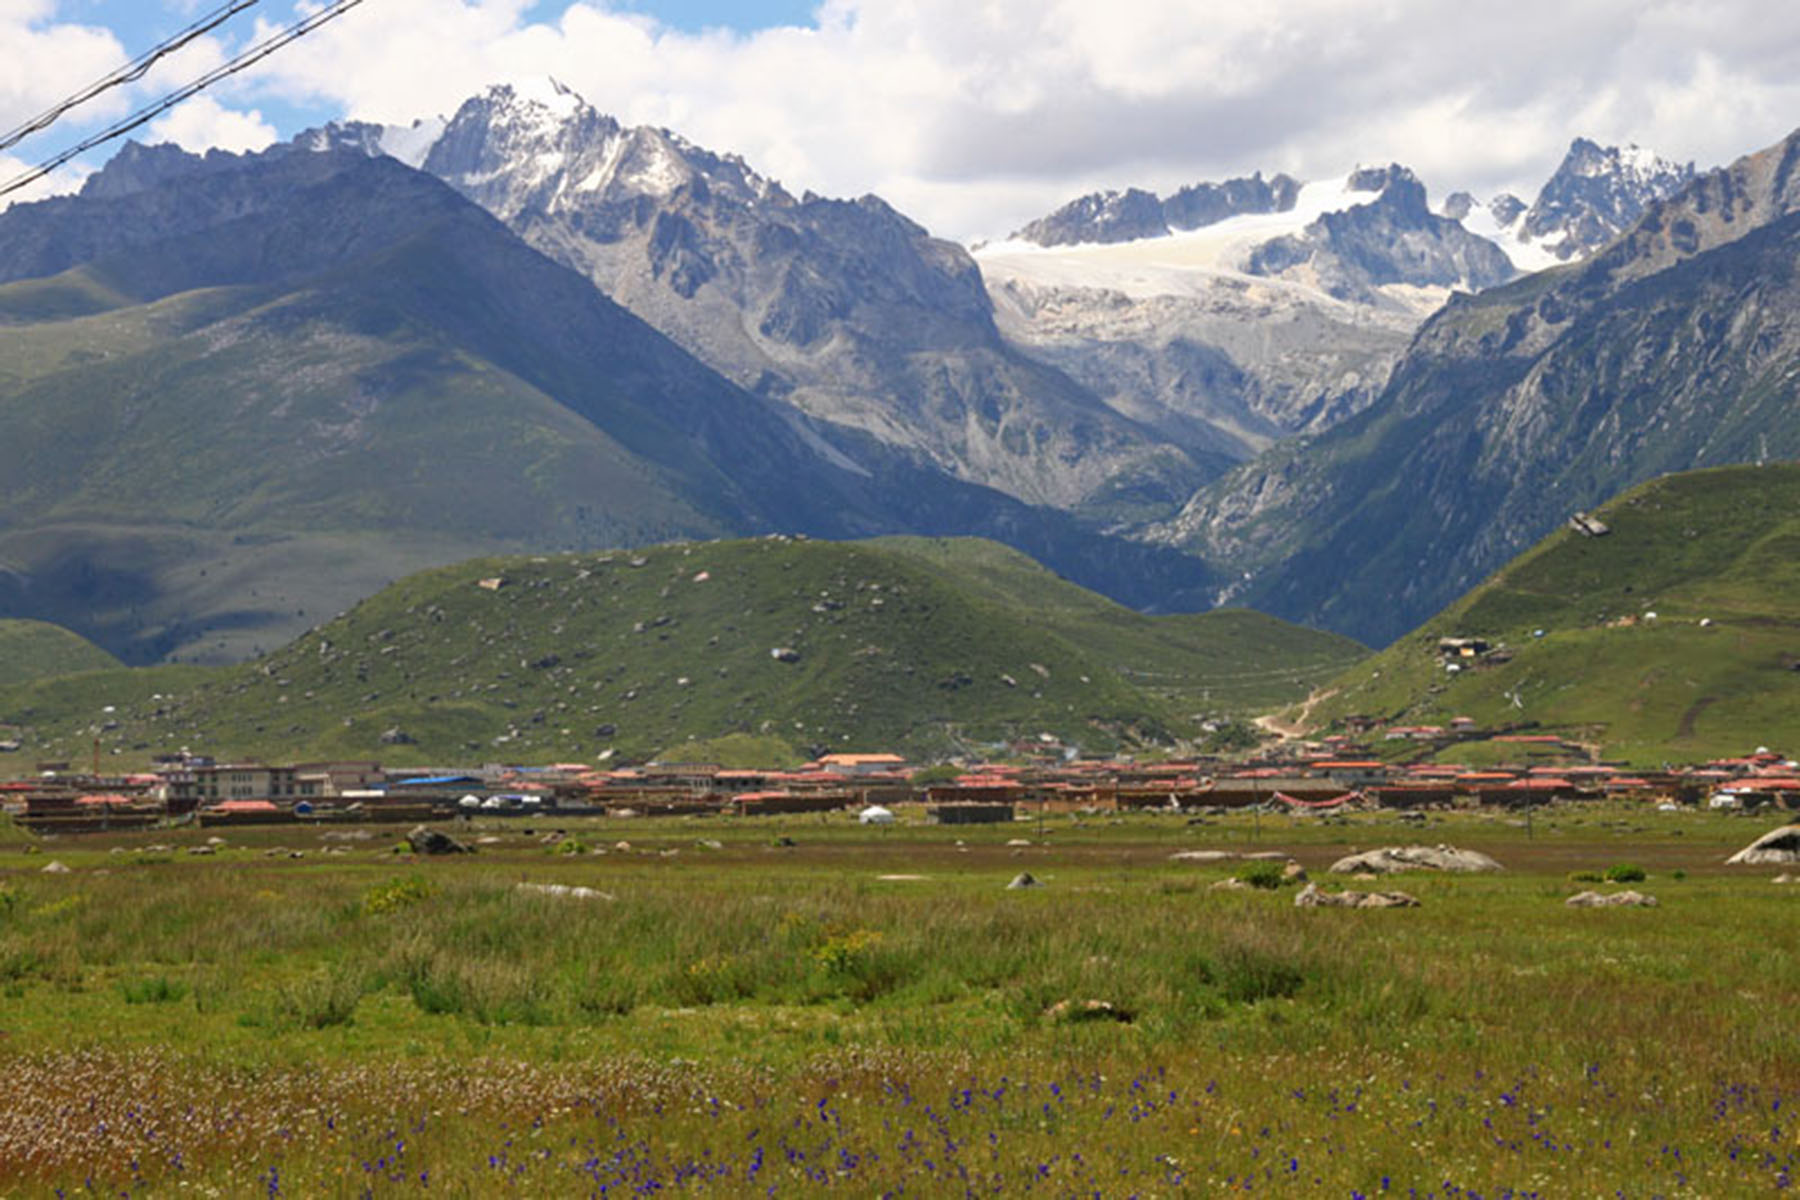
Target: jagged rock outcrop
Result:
[1105, 217]
[1597, 193]
[1393, 239]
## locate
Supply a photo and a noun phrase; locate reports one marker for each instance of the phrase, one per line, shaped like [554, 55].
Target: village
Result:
[1390, 767]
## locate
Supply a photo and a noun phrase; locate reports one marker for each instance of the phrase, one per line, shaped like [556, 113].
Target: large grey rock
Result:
[1626, 899]
[1777, 847]
[1311, 896]
[425, 840]
[1391, 859]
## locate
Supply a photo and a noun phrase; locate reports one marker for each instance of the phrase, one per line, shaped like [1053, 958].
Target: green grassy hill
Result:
[928, 646]
[1227, 660]
[36, 650]
[1715, 555]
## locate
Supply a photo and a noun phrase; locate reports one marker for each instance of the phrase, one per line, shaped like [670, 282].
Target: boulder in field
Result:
[425, 840]
[1391, 859]
[1627, 899]
[1777, 847]
[1086, 1010]
[1311, 896]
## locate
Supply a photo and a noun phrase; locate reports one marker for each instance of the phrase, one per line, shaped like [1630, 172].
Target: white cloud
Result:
[59, 182]
[975, 115]
[45, 62]
[202, 123]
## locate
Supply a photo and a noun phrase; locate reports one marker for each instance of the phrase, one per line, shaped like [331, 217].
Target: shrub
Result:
[158, 990]
[1247, 974]
[321, 999]
[490, 991]
[1266, 875]
[571, 846]
[841, 953]
[397, 894]
[608, 994]
[713, 979]
[1625, 873]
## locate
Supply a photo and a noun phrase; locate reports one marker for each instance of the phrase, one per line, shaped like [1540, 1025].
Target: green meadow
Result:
[790, 1005]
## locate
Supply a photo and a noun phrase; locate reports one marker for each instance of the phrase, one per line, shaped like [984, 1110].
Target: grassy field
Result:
[788, 1005]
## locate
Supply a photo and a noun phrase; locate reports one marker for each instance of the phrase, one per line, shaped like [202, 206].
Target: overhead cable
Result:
[144, 116]
[131, 72]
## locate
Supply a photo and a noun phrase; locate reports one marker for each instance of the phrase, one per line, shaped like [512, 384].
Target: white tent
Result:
[875, 815]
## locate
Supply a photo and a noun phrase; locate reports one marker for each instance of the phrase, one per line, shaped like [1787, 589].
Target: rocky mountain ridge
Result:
[1676, 346]
[842, 310]
[1102, 217]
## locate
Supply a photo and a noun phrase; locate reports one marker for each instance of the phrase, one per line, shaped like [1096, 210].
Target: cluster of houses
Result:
[1337, 773]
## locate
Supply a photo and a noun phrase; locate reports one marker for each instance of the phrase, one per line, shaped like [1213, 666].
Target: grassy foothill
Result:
[928, 646]
[1671, 638]
[787, 1005]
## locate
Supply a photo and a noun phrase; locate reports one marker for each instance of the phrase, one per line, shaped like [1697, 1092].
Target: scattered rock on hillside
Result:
[397, 737]
[1311, 897]
[1613, 900]
[786, 654]
[1202, 856]
[1024, 879]
[1390, 859]
[1293, 872]
[435, 841]
[566, 891]
[1778, 847]
[1230, 885]
[1086, 1010]
[56, 868]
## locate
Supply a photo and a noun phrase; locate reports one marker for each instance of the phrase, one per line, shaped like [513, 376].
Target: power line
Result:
[144, 116]
[129, 73]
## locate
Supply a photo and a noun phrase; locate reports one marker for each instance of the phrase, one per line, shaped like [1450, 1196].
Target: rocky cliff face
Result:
[1674, 347]
[1105, 217]
[843, 310]
[1393, 239]
[1597, 193]
[1227, 334]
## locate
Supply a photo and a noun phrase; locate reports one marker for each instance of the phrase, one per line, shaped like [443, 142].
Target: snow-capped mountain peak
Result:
[1596, 194]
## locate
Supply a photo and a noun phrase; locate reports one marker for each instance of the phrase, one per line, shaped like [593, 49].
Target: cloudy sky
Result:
[976, 115]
